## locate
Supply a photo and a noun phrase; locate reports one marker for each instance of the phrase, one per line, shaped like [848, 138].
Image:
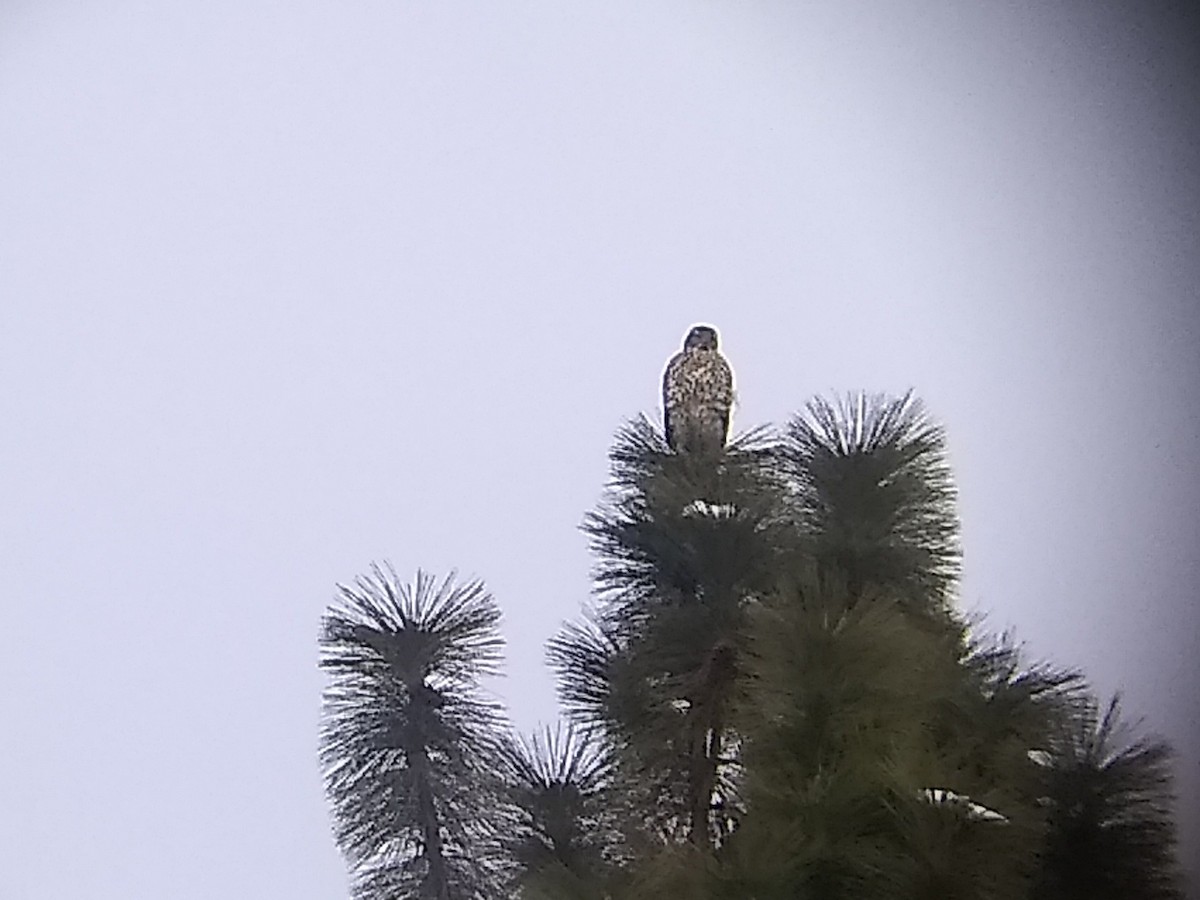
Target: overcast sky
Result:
[290, 287]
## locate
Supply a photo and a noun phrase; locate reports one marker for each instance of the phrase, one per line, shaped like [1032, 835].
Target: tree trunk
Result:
[438, 883]
[702, 778]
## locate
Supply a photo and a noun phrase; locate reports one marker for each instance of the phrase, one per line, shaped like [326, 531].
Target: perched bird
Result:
[697, 395]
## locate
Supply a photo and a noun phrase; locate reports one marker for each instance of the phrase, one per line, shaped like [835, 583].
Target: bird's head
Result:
[701, 337]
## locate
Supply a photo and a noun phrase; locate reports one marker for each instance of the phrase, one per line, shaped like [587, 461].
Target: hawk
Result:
[697, 395]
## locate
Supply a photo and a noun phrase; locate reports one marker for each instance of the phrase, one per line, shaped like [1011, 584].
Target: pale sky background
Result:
[290, 287]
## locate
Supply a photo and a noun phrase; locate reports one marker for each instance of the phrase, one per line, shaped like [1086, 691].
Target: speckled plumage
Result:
[697, 395]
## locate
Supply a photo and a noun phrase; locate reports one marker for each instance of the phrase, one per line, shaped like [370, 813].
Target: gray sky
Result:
[290, 287]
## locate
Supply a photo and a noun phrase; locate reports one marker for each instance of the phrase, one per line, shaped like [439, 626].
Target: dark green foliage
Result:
[835, 711]
[682, 542]
[409, 747]
[989, 713]
[872, 495]
[865, 774]
[675, 527]
[772, 697]
[565, 839]
[792, 702]
[1111, 832]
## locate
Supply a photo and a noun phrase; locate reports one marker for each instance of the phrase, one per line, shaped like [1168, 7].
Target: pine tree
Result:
[409, 745]
[793, 705]
[682, 542]
[771, 695]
